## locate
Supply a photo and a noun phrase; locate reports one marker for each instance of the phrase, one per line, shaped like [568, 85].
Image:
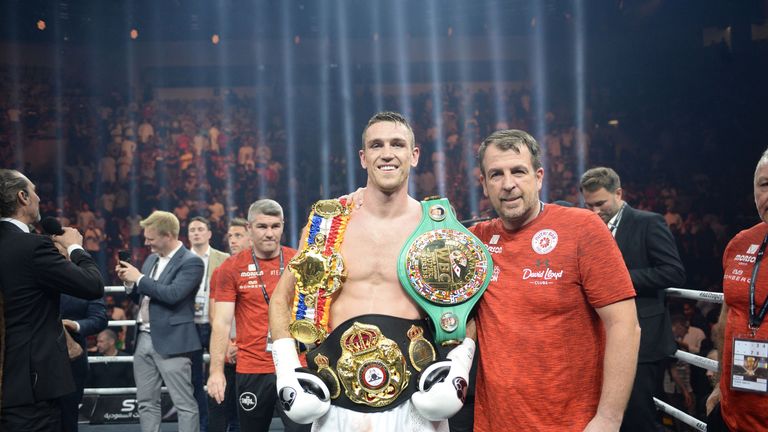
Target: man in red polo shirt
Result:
[557, 325]
[244, 285]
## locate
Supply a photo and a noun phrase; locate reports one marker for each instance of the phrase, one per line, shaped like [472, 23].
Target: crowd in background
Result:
[124, 157]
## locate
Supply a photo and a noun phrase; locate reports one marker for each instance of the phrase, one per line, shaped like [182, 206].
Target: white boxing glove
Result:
[302, 394]
[442, 387]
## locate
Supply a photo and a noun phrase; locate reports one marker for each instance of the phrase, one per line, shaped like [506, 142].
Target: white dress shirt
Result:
[155, 272]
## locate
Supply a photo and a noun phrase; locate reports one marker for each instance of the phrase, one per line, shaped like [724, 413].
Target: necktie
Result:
[144, 308]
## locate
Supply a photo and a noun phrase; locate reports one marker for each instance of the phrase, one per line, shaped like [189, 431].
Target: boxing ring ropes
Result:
[687, 357]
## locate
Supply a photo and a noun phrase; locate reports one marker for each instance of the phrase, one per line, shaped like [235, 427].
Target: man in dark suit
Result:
[82, 318]
[33, 275]
[165, 291]
[654, 264]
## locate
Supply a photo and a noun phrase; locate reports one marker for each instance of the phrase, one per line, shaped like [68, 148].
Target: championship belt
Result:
[370, 362]
[319, 270]
[372, 369]
[445, 268]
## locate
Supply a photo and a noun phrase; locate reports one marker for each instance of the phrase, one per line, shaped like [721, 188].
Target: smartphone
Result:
[124, 255]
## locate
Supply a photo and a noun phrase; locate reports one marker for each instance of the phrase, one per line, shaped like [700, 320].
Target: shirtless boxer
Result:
[370, 306]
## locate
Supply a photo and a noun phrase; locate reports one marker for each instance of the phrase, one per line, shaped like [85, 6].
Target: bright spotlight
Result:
[215, 39]
[41, 25]
[297, 40]
[134, 34]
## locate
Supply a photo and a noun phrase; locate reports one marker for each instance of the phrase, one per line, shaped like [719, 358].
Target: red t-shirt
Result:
[542, 342]
[214, 281]
[239, 282]
[743, 411]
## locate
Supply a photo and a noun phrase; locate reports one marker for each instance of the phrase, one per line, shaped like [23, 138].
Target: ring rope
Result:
[683, 417]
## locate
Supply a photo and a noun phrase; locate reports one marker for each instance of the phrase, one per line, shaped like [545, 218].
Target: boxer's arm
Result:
[280, 306]
[282, 301]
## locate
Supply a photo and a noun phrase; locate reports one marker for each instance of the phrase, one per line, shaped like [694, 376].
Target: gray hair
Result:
[266, 207]
[11, 183]
[763, 160]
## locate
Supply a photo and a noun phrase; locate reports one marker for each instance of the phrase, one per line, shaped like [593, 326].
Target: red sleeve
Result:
[226, 283]
[727, 251]
[214, 282]
[479, 230]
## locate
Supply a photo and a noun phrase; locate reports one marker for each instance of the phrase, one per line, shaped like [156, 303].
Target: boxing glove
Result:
[302, 394]
[442, 387]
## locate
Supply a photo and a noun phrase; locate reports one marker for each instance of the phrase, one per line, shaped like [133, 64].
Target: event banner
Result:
[119, 409]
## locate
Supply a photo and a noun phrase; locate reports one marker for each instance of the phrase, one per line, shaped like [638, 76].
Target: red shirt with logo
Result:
[541, 338]
[743, 411]
[239, 282]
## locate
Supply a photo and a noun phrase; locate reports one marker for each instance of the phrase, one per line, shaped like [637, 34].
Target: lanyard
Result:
[258, 272]
[756, 319]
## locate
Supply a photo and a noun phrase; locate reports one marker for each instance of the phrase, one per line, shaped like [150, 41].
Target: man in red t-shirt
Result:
[742, 394]
[244, 285]
[557, 325]
[223, 416]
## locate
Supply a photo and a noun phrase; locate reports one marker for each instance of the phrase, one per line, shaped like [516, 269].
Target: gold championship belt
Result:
[445, 268]
[372, 368]
[319, 270]
[370, 362]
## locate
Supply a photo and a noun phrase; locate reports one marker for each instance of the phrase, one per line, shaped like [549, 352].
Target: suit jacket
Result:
[172, 302]
[215, 258]
[33, 275]
[651, 256]
[92, 317]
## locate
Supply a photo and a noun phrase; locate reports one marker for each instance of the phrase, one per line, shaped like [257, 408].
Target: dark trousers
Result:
[225, 414]
[715, 422]
[198, 375]
[641, 414]
[43, 416]
[256, 398]
[70, 404]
